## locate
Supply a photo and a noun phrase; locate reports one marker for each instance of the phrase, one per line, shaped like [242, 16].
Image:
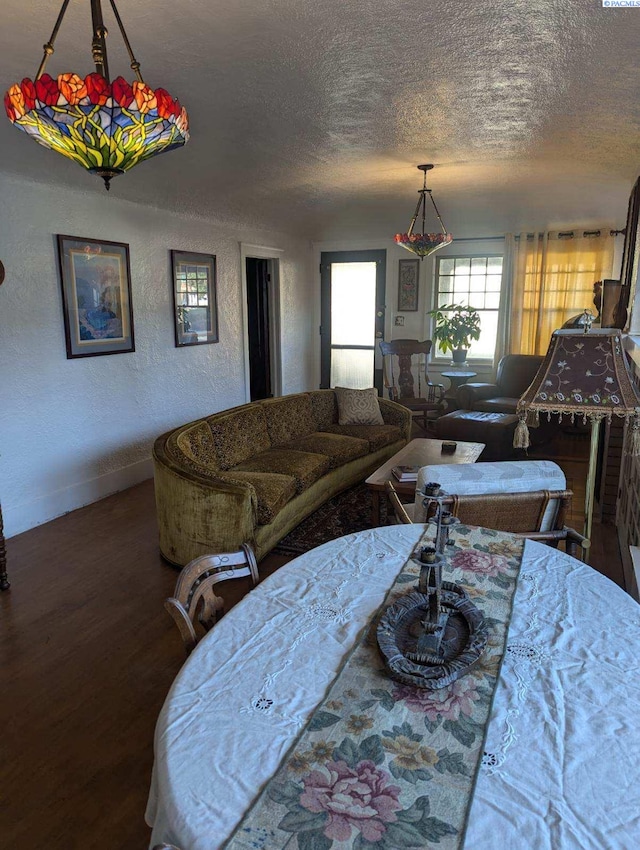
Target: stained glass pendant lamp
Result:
[424, 243]
[106, 127]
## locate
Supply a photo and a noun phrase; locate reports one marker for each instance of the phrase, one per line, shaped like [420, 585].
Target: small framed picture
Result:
[194, 298]
[408, 276]
[96, 296]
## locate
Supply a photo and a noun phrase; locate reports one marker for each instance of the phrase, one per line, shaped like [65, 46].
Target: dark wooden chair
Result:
[194, 605]
[518, 513]
[412, 387]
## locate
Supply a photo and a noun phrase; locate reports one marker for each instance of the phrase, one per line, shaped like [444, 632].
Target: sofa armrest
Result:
[396, 414]
[198, 512]
[468, 394]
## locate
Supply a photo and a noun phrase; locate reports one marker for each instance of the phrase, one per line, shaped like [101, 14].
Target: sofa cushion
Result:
[498, 404]
[239, 435]
[377, 436]
[272, 491]
[303, 467]
[288, 417]
[196, 442]
[338, 448]
[324, 407]
[358, 407]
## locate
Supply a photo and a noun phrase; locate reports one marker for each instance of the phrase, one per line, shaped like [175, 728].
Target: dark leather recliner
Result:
[515, 373]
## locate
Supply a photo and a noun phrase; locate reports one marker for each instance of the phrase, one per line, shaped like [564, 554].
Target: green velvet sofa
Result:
[252, 473]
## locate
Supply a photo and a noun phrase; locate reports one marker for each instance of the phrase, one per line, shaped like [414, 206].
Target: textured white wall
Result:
[73, 431]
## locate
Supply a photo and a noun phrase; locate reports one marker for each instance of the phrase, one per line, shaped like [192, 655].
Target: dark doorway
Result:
[258, 282]
[352, 318]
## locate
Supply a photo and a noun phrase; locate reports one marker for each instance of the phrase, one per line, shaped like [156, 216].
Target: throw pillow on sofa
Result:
[358, 407]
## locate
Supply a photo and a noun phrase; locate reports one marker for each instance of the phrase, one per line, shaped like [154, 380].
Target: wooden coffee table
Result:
[421, 452]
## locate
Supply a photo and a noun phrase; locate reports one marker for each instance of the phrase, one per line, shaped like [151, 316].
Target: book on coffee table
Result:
[405, 473]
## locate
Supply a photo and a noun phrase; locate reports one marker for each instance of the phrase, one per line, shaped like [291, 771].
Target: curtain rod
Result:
[566, 234]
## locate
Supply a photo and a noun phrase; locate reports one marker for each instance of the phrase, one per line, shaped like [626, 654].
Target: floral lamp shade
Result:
[422, 244]
[583, 374]
[105, 127]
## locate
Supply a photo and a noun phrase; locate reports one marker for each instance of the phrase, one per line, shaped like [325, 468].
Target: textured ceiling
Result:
[311, 115]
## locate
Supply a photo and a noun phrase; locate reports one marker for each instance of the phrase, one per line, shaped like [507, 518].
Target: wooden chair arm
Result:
[398, 508]
[573, 540]
[183, 622]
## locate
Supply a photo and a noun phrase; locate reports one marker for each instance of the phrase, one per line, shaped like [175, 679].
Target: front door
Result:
[352, 316]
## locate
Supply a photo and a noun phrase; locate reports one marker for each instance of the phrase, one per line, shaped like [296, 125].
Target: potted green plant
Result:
[455, 326]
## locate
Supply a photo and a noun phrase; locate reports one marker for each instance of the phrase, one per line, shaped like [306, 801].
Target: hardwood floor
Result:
[88, 654]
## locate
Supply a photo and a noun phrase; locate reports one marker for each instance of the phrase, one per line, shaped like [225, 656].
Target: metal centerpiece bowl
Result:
[432, 636]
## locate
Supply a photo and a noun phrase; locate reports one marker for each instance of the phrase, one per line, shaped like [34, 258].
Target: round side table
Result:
[456, 378]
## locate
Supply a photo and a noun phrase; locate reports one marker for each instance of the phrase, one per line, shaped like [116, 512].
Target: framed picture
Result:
[408, 276]
[96, 296]
[194, 298]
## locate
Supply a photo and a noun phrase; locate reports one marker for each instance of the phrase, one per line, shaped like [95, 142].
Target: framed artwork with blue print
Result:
[95, 277]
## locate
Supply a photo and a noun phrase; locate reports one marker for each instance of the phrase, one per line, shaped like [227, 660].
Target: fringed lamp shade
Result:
[583, 375]
[105, 127]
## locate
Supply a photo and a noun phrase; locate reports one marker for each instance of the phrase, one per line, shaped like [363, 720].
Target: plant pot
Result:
[459, 356]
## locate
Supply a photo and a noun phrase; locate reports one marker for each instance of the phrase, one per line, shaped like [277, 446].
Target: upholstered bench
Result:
[495, 430]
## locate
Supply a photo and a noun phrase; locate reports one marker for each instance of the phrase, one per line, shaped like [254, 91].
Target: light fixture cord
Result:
[48, 47]
[135, 65]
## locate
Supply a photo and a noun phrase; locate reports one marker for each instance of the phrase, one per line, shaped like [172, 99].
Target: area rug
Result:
[345, 513]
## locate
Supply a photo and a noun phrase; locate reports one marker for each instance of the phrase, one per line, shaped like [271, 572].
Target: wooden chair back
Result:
[518, 513]
[194, 606]
[404, 350]
[414, 388]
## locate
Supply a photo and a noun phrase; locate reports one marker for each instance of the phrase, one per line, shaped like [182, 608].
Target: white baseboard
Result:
[19, 518]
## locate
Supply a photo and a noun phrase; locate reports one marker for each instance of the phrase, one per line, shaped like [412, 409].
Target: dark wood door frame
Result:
[272, 256]
[379, 257]
[259, 327]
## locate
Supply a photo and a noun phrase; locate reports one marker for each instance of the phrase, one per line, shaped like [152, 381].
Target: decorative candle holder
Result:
[434, 634]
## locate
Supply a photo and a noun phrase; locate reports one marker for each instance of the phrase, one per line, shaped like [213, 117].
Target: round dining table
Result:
[561, 763]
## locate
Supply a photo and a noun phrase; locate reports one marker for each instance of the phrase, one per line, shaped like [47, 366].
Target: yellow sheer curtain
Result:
[553, 280]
